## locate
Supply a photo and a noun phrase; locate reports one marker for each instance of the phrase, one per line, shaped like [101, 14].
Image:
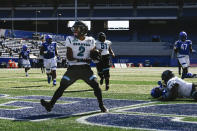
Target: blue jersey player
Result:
[24, 55]
[183, 47]
[49, 52]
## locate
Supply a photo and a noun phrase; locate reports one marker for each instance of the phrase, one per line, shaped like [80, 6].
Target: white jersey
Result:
[184, 88]
[80, 49]
[103, 46]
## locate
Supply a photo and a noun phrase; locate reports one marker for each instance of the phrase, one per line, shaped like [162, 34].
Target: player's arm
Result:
[69, 54]
[174, 91]
[175, 47]
[42, 50]
[111, 51]
[56, 53]
[190, 47]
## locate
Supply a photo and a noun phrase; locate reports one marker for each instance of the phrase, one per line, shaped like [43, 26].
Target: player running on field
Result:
[24, 55]
[183, 48]
[49, 51]
[103, 66]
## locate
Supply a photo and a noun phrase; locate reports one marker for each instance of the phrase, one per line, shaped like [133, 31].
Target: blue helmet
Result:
[183, 35]
[24, 47]
[48, 37]
[156, 92]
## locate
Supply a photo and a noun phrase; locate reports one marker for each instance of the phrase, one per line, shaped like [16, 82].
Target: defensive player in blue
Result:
[24, 55]
[183, 47]
[49, 51]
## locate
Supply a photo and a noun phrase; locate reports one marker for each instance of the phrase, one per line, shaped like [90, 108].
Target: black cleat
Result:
[103, 109]
[46, 105]
[101, 81]
[107, 87]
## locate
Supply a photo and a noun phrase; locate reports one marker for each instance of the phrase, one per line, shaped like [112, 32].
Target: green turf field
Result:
[131, 83]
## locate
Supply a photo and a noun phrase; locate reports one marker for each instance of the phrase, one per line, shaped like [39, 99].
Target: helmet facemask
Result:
[101, 37]
[183, 36]
[49, 40]
[79, 29]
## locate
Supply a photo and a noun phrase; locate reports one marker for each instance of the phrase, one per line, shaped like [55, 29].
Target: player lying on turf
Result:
[173, 87]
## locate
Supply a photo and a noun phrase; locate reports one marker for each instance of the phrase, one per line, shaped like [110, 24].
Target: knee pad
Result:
[64, 81]
[48, 70]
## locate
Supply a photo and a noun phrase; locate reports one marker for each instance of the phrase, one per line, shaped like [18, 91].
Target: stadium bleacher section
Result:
[162, 18]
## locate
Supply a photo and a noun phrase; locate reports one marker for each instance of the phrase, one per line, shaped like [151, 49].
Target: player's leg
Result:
[106, 76]
[27, 66]
[179, 68]
[53, 70]
[54, 75]
[99, 67]
[88, 76]
[184, 65]
[26, 70]
[106, 68]
[65, 82]
[47, 65]
[48, 72]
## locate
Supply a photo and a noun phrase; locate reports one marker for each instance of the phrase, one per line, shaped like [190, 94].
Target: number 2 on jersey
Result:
[81, 51]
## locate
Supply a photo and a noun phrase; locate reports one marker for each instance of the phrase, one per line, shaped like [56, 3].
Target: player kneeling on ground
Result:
[174, 87]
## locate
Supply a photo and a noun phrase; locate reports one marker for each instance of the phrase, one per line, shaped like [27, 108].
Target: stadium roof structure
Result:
[66, 3]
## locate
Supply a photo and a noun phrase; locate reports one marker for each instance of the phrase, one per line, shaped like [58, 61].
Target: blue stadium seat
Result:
[113, 13]
[5, 13]
[156, 12]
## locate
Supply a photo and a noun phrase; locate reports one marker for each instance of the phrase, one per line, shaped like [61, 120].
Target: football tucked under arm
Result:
[95, 55]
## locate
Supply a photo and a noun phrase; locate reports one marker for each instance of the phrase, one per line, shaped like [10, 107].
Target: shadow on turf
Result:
[177, 100]
[54, 116]
[26, 86]
[78, 91]
[37, 80]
